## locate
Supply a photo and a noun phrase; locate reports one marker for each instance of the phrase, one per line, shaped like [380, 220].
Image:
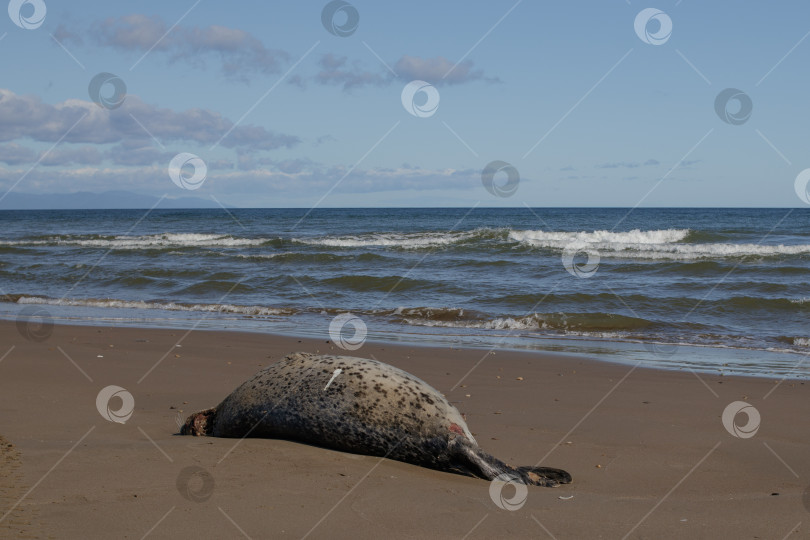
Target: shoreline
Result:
[623, 352]
[647, 449]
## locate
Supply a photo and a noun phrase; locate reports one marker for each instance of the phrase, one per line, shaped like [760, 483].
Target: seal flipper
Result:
[544, 476]
[476, 462]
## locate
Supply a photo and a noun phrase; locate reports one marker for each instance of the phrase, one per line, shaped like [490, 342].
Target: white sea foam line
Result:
[404, 240]
[665, 243]
[140, 304]
[635, 236]
[499, 323]
[145, 241]
[659, 244]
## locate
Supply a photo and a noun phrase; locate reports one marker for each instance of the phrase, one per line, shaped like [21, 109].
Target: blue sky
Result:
[585, 110]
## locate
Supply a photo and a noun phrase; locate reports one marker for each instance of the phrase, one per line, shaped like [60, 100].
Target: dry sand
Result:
[647, 450]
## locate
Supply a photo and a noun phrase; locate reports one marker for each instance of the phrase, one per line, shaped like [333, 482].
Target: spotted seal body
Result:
[360, 406]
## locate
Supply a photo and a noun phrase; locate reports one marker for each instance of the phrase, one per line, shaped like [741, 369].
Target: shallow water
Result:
[695, 288]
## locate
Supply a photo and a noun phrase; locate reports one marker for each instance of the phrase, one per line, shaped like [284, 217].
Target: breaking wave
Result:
[394, 240]
[653, 244]
[152, 241]
[250, 311]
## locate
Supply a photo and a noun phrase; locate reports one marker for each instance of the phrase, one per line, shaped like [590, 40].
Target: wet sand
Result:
[647, 449]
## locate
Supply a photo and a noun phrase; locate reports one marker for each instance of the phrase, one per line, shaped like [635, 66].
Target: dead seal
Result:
[359, 406]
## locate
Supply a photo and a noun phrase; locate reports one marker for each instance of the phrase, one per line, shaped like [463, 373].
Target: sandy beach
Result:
[585, 225]
[647, 449]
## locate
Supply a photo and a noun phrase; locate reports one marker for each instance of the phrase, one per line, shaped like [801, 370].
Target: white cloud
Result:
[338, 71]
[14, 154]
[438, 70]
[24, 116]
[238, 52]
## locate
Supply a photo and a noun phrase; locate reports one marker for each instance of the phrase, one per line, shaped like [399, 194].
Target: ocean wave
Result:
[665, 244]
[435, 313]
[395, 240]
[634, 237]
[306, 257]
[653, 244]
[564, 322]
[152, 241]
[252, 311]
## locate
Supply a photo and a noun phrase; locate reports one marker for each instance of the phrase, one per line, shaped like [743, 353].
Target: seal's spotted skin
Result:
[369, 408]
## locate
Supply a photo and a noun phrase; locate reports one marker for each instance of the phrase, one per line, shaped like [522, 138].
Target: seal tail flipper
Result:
[544, 476]
[479, 463]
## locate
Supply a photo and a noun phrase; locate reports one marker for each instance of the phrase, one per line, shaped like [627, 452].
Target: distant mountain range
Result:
[92, 201]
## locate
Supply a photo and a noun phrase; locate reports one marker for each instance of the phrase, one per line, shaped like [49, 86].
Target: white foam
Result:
[653, 244]
[634, 237]
[400, 240]
[801, 342]
[147, 241]
[506, 323]
[256, 311]
[509, 323]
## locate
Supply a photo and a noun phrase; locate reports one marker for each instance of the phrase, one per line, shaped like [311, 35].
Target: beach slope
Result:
[647, 449]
